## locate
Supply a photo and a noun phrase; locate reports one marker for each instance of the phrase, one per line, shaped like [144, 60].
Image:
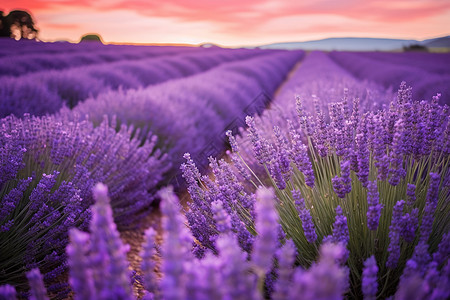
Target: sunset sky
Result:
[235, 22]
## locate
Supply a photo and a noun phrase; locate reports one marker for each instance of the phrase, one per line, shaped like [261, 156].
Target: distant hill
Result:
[443, 42]
[359, 44]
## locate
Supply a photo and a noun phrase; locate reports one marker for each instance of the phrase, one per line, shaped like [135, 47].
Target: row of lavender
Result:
[46, 159]
[428, 74]
[34, 62]
[47, 91]
[11, 48]
[371, 177]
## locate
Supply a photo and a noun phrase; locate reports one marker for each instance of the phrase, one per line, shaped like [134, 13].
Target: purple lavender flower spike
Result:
[340, 233]
[343, 185]
[232, 141]
[369, 279]
[410, 222]
[305, 217]
[332, 276]
[108, 260]
[299, 155]
[205, 278]
[7, 292]
[411, 194]
[374, 207]
[223, 220]
[363, 156]
[439, 283]
[236, 280]
[174, 250]
[430, 207]
[396, 170]
[237, 163]
[37, 288]
[260, 146]
[81, 279]
[394, 235]
[286, 259]
[276, 174]
[266, 223]
[283, 153]
[379, 149]
[148, 264]
[338, 186]
[441, 255]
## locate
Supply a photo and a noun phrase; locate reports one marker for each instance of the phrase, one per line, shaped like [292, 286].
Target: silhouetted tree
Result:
[415, 47]
[91, 37]
[18, 24]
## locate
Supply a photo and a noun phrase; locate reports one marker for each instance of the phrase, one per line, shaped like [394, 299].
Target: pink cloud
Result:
[252, 20]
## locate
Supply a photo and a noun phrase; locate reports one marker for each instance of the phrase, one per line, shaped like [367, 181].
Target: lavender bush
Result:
[47, 169]
[360, 166]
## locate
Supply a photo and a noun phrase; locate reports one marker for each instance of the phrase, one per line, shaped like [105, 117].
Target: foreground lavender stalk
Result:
[81, 278]
[326, 279]
[7, 292]
[369, 280]
[174, 250]
[37, 289]
[374, 210]
[108, 253]
[266, 221]
[286, 259]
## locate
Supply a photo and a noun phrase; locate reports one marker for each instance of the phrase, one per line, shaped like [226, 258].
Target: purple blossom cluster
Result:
[305, 217]
[374, 206]
[211, 198]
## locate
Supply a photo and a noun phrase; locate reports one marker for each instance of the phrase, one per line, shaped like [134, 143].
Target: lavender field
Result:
[265, 174]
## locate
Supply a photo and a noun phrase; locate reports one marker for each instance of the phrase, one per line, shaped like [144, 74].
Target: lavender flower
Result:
[394, 235]
[7, 292]
[430, 207]
[332, 276]
[37, 288]
[148, 265]
[305, 217]
[299, 155]
[81, 279]
[108, 254]
[174, 250]
[237, 283]
[223, 220]
[441, 255]
[396, 170]
[411, 194]
[374, 209]
[260, 145]
[340, 233]
[343, 185]
[286, 259]
[266, 222]
[205, 279]
[369, 279]
[409, 224]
